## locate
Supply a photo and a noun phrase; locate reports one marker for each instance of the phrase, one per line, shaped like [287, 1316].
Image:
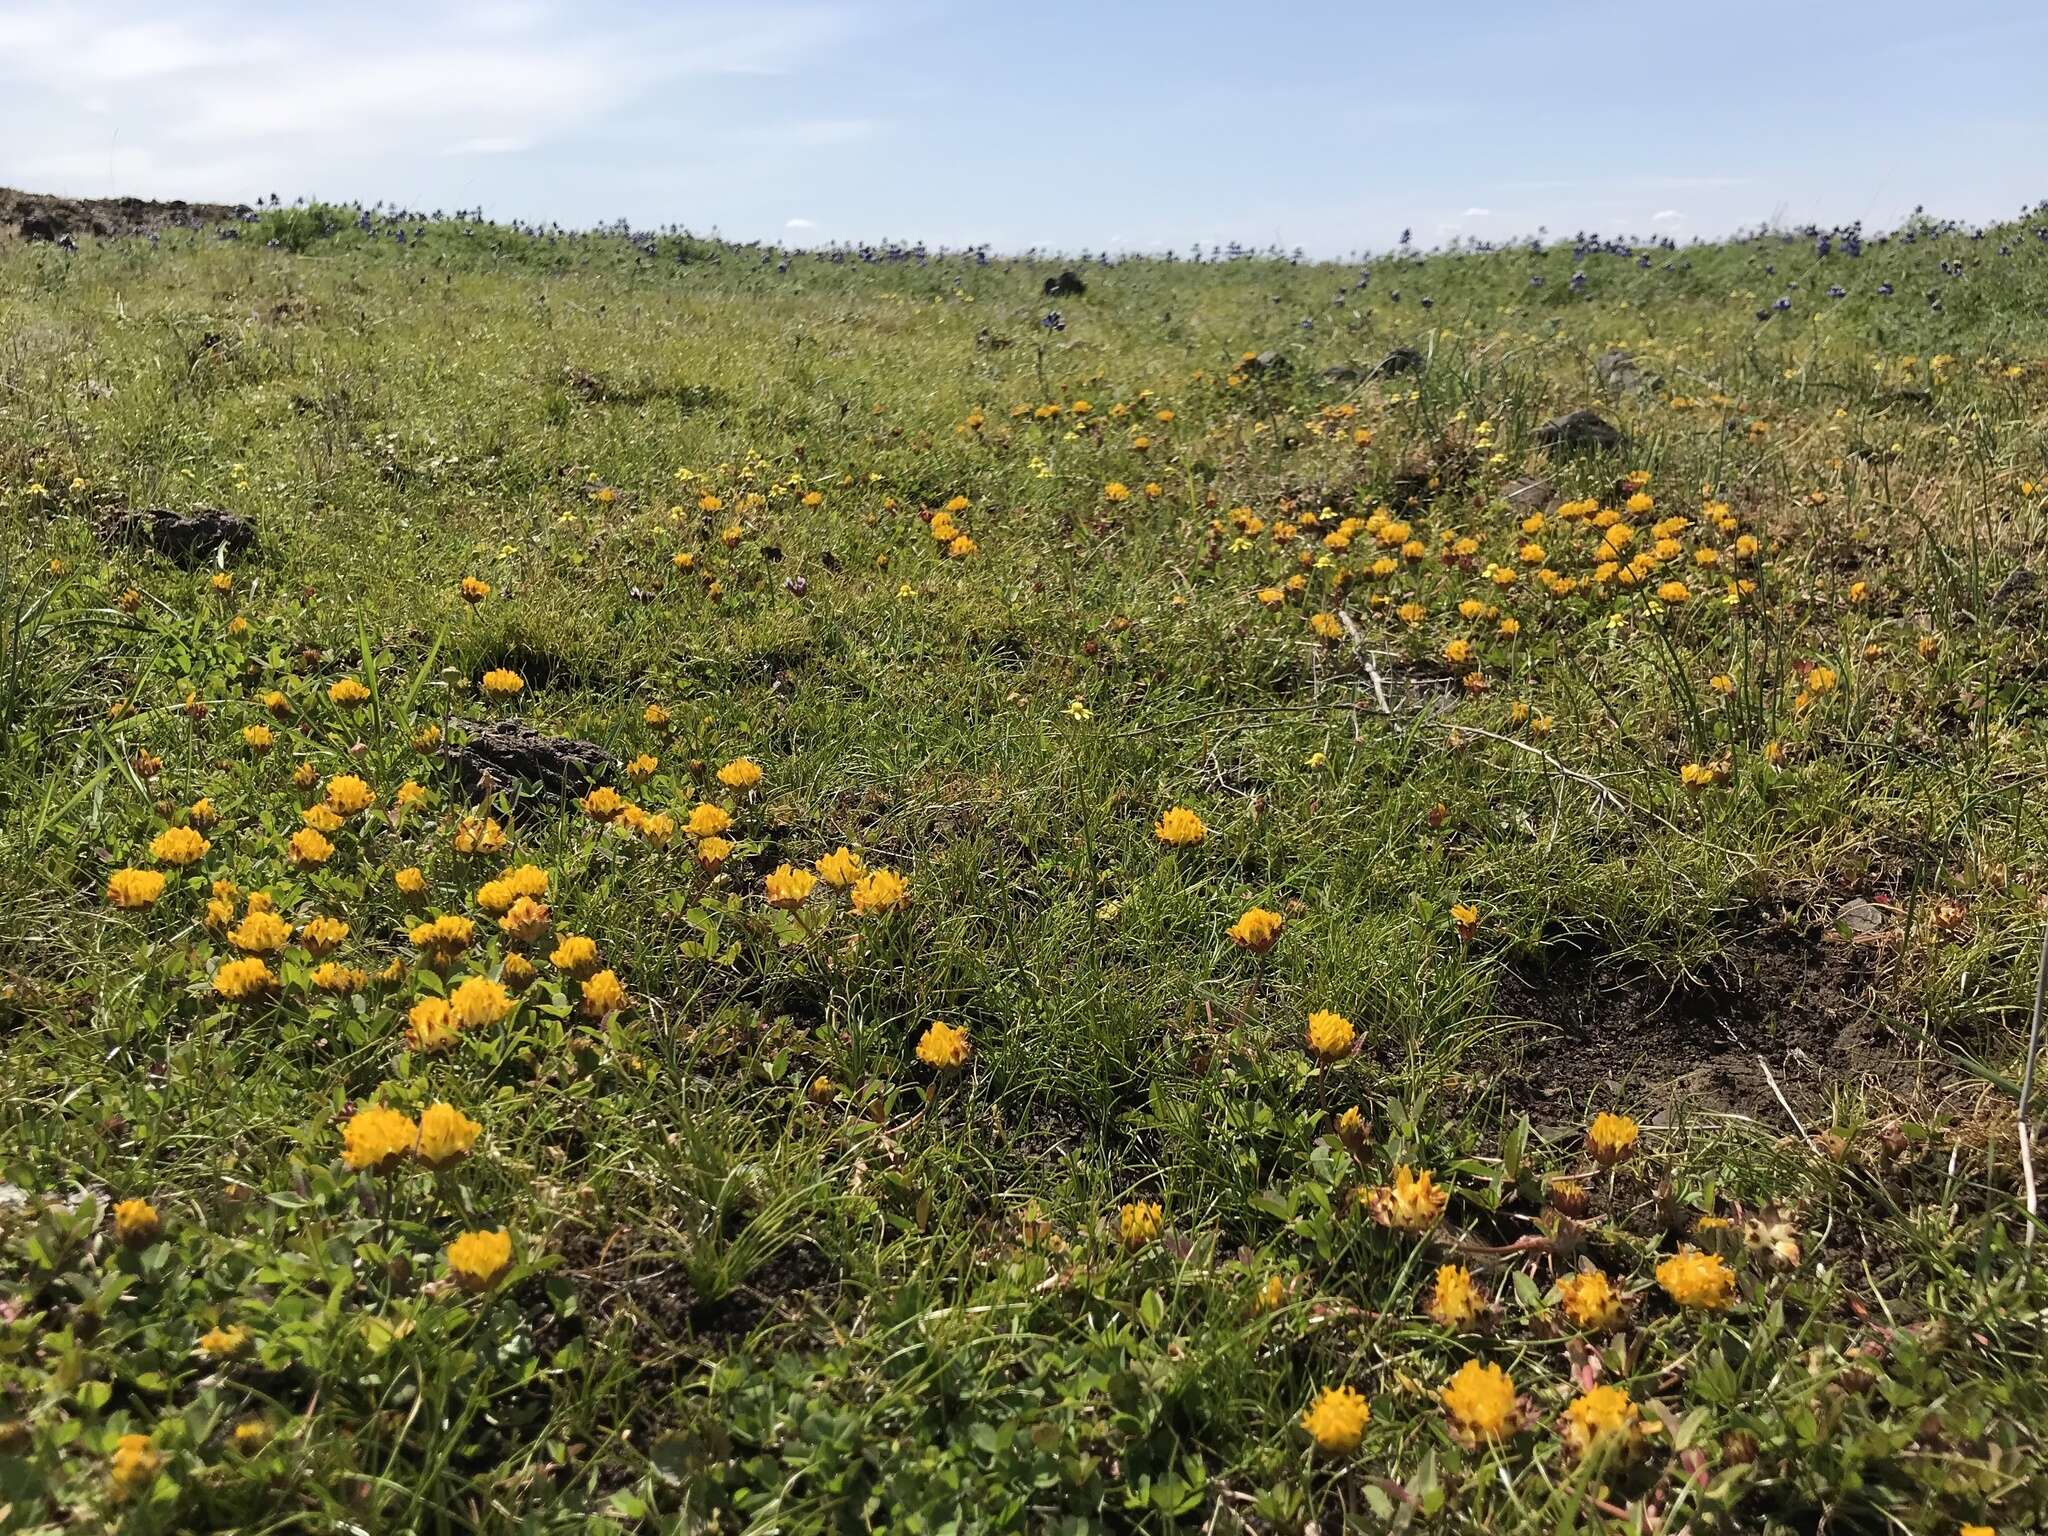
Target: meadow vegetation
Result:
[1162, 911]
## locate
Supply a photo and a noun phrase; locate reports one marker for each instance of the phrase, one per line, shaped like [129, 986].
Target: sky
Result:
[1062, 124]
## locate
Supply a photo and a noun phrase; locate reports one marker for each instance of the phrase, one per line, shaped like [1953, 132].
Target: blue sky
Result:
[1047, 122]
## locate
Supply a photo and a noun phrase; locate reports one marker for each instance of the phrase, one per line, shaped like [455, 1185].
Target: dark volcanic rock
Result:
[1400, 360]
[1265, 362]
[508, 752]
[1578, 431]
[1067, 284]
[191, 538]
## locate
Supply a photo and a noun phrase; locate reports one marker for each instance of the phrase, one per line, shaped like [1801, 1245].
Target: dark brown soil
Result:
[42, 216]
[1611, 1032]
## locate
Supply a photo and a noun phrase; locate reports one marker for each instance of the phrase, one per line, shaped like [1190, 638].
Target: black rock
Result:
[1065, 285]
[1578, 431]
[1400, 360]
[1265, 362]
[191, 538]
[1343, 373]
[2018, 583]
[508, 752]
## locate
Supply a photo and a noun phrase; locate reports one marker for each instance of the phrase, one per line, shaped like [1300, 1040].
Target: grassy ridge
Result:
[1696, 781]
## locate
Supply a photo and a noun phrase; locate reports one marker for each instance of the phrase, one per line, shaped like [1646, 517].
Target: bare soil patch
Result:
[1792, 992]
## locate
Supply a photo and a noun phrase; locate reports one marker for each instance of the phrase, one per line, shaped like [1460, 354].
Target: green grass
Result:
[742, 1302]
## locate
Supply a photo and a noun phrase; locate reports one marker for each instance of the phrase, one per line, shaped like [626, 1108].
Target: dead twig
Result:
[1779, 1094]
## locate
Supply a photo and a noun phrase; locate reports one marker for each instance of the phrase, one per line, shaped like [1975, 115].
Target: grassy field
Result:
[1307, 799]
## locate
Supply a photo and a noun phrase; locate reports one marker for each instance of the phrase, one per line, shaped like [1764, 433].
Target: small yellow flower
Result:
[377, 1138]
[603, 994]
[243, 981]
[261, 932]
[338, 980]
[1337, 1419]
[136, 1223]
[788, 887]
[1466, 916]
[1329, 1035]
[258, 739]
[430, 1028]
[1699, 1281]
[603, 804]
[134, 889]
[740, 773]
[881, 892]
[1412, 1203]
[503, 683]
[708, 820]
[309, 849]
[479, 1260]
[348, 693]
[1611, 1138]
[410, 881]
[1180, 828]
[1602, 1419]
[1455, 1302]
[1257, 930]
[525, 920]
[446, 1136]
[251, 1435]
[178, 846]
[478, 1002]
[474, 590]
[1591, 1301]
[642, 768]
[575, 955]
[840, 868]
[713, 852]
[134, 1465]
[1139, 1222]
[1481, 1403]
[224, 1343]
[944, 1046]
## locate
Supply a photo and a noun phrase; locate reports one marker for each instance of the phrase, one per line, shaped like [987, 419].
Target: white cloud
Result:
[1478, 213]
[1666, 216]
[228, 98]
[801, 224]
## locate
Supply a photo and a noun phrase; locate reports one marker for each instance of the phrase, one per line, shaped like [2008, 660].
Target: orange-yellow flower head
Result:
[788, 887]
[1455, 1302]
[377, 1139]
[1329, 1035]
[136, 1223]
[1412, 1203]
[446, 1135]
[944, 1046]
[178, 846]
[1180, 828]
[602, 993]
[1140, 1222]
[1698, 1281]
[708, 820]
[133, 890]
[1337, 1419]
[1591, 1301]
[1603, 1419]
[1611, 1138]
[479, 1260]
[1481, 1403]
[840, 868]
[1257, 930]
[878, 893]
[740, 773]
